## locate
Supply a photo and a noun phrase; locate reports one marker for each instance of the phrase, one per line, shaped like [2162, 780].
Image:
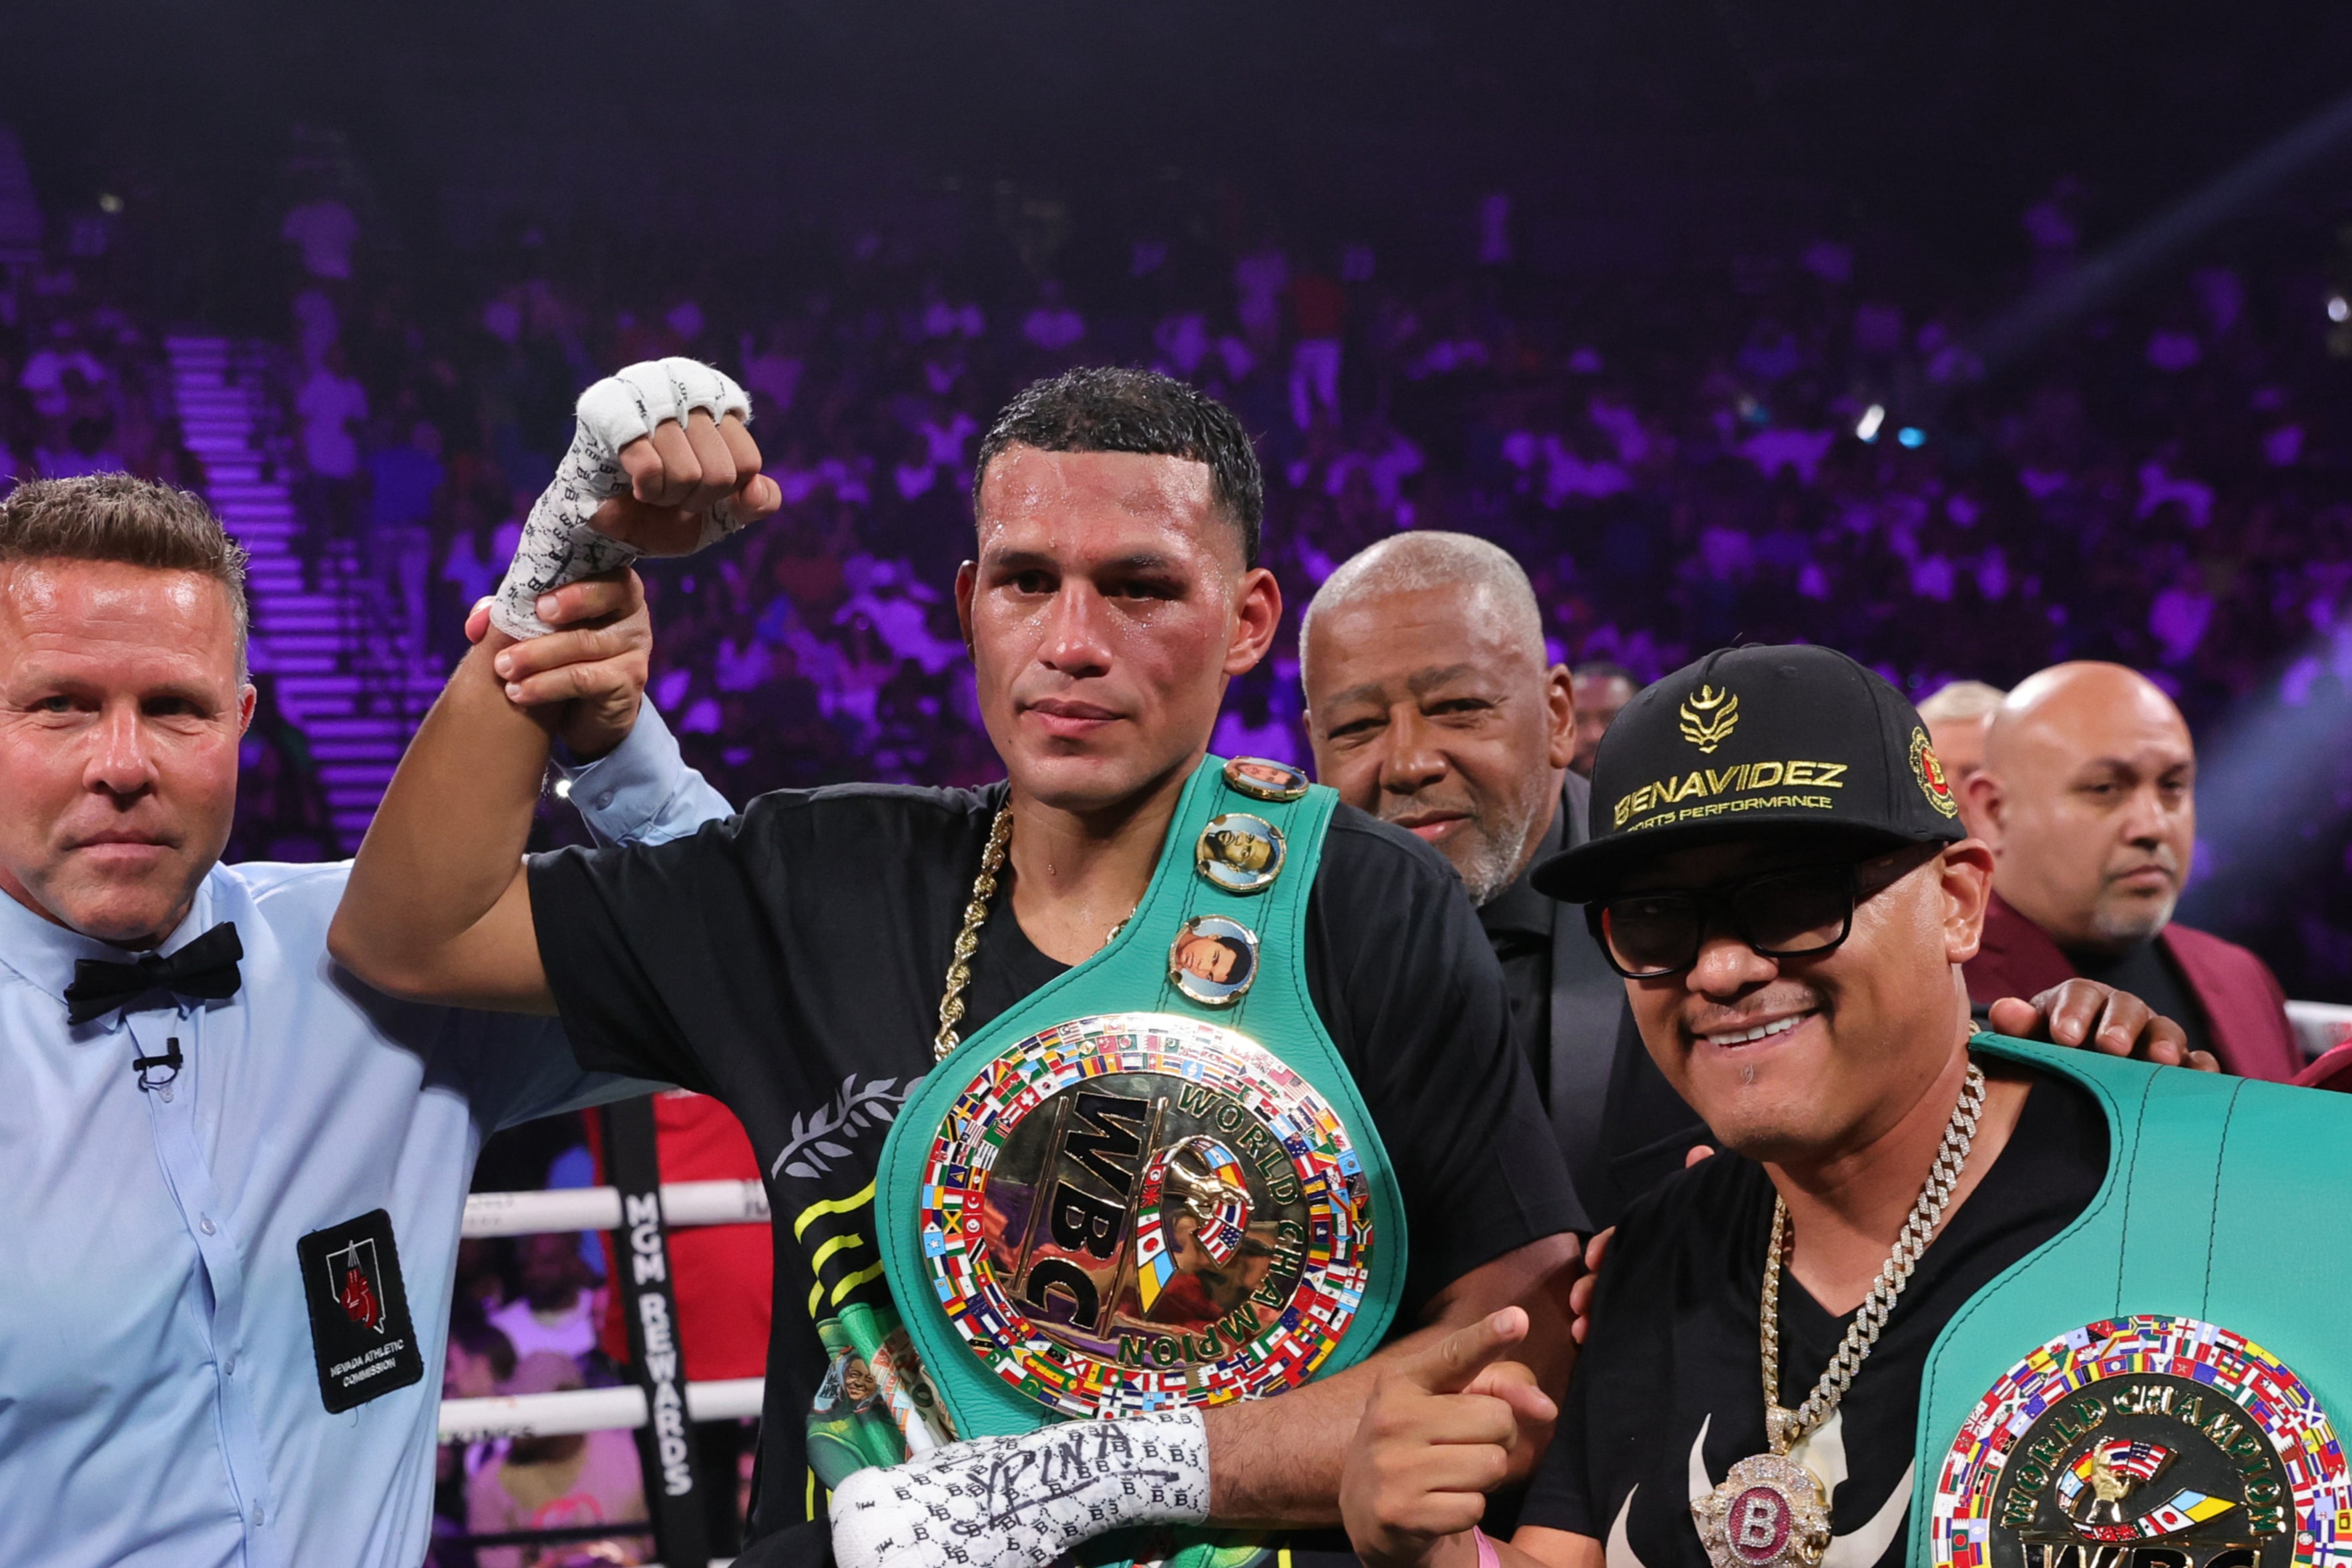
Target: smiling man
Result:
[2088, 798]
[1432, 703]
[1093, 992]
[1778, 870]
[235, 1174]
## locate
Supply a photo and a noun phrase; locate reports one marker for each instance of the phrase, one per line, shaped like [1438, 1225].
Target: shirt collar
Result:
[1519, 909]
[44, 953]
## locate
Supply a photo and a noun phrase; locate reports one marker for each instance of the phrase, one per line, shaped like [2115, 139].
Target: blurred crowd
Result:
[1787, 446]
[1773, 447]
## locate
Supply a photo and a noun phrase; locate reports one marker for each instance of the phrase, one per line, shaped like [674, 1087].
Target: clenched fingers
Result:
[713, 459]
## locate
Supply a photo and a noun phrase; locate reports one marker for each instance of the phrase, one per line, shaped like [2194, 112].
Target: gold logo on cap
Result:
[1928, 770]
[1708, 717]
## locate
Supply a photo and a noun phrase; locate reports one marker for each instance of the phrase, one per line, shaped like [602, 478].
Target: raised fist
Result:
[661, 464]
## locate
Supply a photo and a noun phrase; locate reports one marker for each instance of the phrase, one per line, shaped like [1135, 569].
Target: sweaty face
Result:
[1106, 611]
[120, 715]
[2097, 820]
[1425, 711]
[1795, 1059]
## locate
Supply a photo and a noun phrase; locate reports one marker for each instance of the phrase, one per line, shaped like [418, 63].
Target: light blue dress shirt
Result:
[159, 1399]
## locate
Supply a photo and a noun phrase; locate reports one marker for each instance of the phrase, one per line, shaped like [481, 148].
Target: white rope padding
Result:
[590, 1410]
[2320, 1026]
[599, 1208]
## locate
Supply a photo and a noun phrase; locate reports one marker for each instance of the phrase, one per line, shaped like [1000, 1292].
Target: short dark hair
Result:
[1109, 409]
[1603, 670]
[117, 517]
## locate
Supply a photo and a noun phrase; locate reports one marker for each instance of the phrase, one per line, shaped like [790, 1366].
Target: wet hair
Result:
[135, 522]
[1108, 408]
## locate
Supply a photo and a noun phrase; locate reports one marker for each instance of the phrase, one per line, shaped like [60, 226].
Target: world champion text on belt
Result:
[1136, 1211]
[1107, 1204]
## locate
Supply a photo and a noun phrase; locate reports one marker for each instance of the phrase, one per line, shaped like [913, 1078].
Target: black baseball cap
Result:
[1751, 741]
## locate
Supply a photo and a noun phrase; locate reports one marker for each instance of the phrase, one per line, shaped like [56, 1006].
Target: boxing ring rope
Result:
[2320, 1026]
[622, 1408]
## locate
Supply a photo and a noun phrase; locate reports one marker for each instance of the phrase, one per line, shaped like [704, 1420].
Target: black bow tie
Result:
[206, 967]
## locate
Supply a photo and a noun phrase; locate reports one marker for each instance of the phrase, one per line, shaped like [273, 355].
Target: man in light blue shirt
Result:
[231, 1175]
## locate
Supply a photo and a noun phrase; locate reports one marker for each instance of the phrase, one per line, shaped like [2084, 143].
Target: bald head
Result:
[2088, 797]
[1431, 704]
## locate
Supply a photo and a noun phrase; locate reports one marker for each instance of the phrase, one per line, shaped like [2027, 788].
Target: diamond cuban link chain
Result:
[1771, 1510]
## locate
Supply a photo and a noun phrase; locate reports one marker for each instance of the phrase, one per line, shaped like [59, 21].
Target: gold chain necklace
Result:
[975, 915]
[967, 942]
[1771, 1512]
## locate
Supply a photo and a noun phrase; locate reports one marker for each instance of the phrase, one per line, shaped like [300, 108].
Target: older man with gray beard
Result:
[2088, 797]
[1432, 703]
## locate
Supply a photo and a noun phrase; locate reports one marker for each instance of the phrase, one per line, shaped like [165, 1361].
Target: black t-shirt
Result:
[1673, 1356]
[789, 962]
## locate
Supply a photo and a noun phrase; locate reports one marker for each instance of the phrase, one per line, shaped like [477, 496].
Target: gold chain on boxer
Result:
[967, 942]
[975, 915]
[1784, 1427]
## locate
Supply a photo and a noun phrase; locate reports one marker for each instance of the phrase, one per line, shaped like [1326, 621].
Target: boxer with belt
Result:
[1947, 1297]
[1172, 1054]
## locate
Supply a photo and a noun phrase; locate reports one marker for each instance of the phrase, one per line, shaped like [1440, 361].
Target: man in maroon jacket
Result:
[2089, 796]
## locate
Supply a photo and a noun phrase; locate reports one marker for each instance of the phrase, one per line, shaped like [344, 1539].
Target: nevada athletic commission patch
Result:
[2145, 1442]
[1137, 1211]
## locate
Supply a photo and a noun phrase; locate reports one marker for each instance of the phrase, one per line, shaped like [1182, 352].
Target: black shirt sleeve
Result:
[623, 929]
[1403, 976]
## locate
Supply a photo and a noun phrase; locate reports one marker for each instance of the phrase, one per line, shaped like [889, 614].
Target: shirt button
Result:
[228, 1368]
[604, 799]
[257, 1515]
[205, 1225]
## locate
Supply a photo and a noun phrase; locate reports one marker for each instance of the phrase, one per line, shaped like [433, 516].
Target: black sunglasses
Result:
[1794, 913]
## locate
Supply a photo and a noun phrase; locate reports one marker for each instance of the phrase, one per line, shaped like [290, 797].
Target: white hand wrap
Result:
[1020, 1502]
[558, 544]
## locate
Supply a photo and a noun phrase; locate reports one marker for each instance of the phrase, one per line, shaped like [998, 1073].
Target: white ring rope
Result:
[619, 1409]
[2320, 1026]
[599, 1208]
[684, 1203]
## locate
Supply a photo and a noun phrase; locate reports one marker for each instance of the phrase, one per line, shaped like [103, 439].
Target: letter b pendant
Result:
[1770, 1513]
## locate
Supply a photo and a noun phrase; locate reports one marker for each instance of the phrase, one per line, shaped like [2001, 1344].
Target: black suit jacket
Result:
[1621, 1125]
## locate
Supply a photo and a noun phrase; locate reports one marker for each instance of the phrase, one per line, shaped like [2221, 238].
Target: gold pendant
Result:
[1770, 1513]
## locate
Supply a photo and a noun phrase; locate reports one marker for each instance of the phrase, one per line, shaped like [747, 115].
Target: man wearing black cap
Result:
[1434, 704]
[1778, 870]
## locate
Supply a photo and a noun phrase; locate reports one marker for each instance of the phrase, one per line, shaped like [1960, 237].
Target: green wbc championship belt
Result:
[2153, 1387]
[1152, 1183]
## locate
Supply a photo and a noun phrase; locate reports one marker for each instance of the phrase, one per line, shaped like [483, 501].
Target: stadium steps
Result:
[341, 676]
